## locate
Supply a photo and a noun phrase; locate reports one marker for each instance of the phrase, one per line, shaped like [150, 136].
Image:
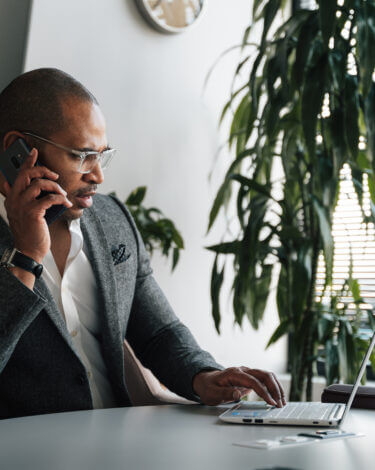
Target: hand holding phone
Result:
[31, 190]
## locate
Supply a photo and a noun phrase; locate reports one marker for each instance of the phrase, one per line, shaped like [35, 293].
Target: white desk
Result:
[169, 437]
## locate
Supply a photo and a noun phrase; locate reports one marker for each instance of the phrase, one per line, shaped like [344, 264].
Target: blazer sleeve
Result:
[19, 306]
[160, 340]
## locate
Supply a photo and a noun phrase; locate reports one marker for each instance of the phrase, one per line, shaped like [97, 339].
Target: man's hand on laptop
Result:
[221, 386]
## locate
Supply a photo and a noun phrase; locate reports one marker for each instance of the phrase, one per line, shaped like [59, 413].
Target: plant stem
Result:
[310, 342]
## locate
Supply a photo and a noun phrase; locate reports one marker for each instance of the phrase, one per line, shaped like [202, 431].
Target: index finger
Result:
[30, 160]
[270, 382]
[26, 175]
[240, 377]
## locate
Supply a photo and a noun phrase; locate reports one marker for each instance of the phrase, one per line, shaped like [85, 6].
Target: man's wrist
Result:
[33, 255]
[196, 378]
[14, 258]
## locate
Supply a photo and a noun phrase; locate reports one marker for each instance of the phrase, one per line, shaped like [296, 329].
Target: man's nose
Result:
[95, 175]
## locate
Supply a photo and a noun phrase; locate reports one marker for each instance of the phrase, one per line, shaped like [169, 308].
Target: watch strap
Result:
[14, 258]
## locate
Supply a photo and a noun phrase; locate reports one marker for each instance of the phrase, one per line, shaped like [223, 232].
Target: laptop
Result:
[296, 413]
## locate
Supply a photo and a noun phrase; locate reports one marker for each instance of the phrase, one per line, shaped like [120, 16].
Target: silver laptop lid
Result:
[359, 377]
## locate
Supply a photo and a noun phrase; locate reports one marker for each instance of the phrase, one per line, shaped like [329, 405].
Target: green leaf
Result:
[216, 283]
[239, 123]
[292, 25]
[224, 193]
[363, 162]
[372, 360]
[355, 290]
[251, 184]
[326, 234]
[301, 275]
[366, 43]
[256, 5]
[347, 351]
[326, 324]
[336, 126]
[177, 238]
[157, 232]
[222, 197]
[226, 248]
[241, 203]
[246, 36]
[235, 165]
[331, 362]
[230, 102]
[280, 331]
[247, 286]
[306, 36]
[312, 97]
[136, 197]
[357, 176]
[351, 111]
[258, 295]
[269, 13]
[370, 122]
[371, 186]
[176, 255]
[371, 319]
[284, 307]
[327, 18]
[272, 114]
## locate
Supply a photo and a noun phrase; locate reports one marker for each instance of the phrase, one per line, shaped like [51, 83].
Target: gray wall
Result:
[14, 19]
[150, 89]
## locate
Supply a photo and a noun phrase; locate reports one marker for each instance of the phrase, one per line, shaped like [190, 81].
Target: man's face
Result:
[84, 130]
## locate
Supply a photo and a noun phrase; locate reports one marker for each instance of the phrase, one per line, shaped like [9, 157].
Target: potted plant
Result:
[157, 231]
[308, 99]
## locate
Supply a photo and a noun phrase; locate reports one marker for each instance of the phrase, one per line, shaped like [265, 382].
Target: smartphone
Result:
[10, 163]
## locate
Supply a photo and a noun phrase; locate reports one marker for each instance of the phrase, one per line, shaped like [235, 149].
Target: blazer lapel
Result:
[54, 313]
[99, 254]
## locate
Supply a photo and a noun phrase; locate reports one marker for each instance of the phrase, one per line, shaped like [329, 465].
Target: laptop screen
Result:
[358, 380]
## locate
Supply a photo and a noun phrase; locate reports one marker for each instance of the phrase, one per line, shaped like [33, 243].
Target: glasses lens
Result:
[91, 160]
[107, 156]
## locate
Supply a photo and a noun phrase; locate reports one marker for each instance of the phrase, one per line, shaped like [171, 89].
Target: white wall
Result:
[150, 89]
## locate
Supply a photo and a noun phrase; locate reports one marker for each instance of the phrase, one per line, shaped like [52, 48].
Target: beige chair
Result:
[143, 387]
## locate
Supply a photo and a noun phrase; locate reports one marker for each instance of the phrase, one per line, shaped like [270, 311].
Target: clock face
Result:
[171, 16]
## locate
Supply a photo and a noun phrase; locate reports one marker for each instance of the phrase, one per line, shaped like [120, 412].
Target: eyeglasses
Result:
[83, 162]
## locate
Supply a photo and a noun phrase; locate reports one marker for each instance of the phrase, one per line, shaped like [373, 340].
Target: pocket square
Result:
[119, 254]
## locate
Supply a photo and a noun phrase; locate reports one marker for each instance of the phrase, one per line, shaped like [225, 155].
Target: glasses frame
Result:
[81, 154]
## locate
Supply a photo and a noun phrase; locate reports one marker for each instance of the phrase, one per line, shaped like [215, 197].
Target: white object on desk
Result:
[269, 444]
[259, 444]
[290, 441]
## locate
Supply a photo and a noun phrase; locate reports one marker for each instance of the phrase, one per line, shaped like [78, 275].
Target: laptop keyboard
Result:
[302, 411]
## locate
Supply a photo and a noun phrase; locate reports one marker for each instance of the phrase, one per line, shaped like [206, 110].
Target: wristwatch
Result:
[13, 258]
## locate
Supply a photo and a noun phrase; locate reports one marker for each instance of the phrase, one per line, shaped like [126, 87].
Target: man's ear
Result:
[10, 137]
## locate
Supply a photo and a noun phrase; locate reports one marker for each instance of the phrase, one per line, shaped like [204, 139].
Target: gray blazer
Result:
[40, 370]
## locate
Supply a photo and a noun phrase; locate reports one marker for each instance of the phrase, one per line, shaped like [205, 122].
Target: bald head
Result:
[34, 101]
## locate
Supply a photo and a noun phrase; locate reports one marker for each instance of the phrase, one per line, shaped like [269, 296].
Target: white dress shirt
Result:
[75, 294]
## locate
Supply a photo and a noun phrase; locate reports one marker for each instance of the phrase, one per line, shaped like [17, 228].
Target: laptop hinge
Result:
[335, 412]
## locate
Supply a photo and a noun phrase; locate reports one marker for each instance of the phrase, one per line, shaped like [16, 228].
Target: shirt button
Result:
[89, 374]
[74, 333]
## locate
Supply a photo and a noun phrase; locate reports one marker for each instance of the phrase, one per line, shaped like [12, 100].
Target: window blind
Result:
[354, 242]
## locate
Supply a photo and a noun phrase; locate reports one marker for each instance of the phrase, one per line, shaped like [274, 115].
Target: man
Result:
[61, 334]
